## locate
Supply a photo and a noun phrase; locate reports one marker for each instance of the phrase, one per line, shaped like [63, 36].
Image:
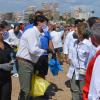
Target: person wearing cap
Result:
[91, 89]
[69, 42]
[6, 65]
[7, 27]
[14, 35]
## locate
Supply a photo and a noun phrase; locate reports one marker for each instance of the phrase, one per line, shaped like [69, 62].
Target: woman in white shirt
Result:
[81, 54]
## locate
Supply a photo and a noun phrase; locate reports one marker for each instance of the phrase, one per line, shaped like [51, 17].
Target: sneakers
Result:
[15, 75]
[68, 83]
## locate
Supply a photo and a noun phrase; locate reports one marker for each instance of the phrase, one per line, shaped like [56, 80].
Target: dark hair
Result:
[16, 25]
[77, 21]
[40, 18]
[91, 21]
[21, 24]
[32, 16]
[83, 30]
[83, 19]
[3, 24]
[96, 30]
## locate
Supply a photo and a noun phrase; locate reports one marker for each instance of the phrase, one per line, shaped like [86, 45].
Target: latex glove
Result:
[45, 28]
[6, 66]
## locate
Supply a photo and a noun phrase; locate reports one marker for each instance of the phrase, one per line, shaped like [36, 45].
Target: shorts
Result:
[58, 49]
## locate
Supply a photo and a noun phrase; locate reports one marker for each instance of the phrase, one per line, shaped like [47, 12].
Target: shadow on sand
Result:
[51, 91]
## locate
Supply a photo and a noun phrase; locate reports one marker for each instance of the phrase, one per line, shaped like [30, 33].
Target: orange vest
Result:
[88, 76]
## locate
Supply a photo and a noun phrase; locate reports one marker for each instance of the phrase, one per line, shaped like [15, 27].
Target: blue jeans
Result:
[13, 57]
[14, 68]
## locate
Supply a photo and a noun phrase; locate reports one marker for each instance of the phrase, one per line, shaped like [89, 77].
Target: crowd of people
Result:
[25, 49]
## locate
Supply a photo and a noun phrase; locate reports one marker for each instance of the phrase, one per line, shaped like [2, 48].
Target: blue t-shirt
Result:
[44, 40]
[28, 26]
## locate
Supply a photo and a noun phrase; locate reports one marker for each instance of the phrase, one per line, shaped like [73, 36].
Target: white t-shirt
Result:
[56, 38]
[69, 44]
[13, 39]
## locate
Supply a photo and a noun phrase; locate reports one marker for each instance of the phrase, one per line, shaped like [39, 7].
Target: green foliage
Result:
[70, 21]
[61, 18]
[30, 18]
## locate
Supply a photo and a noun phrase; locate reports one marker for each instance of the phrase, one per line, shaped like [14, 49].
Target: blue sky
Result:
[20, 5]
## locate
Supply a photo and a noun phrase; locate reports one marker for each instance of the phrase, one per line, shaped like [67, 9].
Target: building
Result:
[81, 12]
[51, 10]
[29, 11]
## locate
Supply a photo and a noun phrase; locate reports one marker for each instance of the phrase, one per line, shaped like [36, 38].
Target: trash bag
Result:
[39, 86]
[55, 66]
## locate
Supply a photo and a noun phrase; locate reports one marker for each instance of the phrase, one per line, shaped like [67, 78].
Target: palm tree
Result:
[92, 12]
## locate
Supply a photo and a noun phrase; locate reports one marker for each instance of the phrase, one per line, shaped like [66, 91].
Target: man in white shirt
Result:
[28, 54]
[94, 89]
[56, 37]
